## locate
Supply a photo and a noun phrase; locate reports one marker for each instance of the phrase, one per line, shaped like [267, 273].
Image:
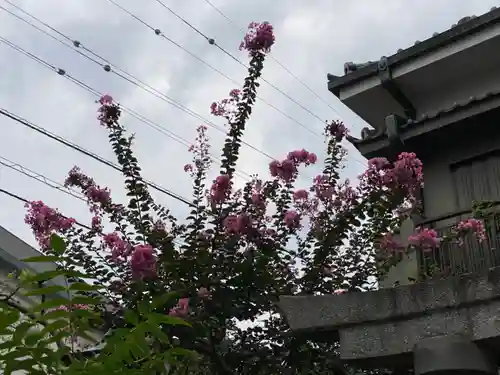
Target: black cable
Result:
[158, 32]
[98, 94]
[75, 45]
[212, 41]
[39, 177]
[90, 154]
[275, 59]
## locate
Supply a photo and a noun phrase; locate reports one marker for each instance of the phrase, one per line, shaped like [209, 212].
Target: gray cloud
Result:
[313, 38]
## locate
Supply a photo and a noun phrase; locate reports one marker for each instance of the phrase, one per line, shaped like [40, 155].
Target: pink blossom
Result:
[258, 201]
[292, 219]
[108, 112]
[474, 226]
[405, 174]
[238, 224]
[44, 221]
[76, 306]
[96, 223]
[312, 158]
[181, 309]
[337, 130]
[77, 178]
[426, 239]
[220, 189]
[235, 93]
[188, 168]
[106, 99]
[340, 291]
[98, 195]
[300, 195]
[143, 262]
[259, 38]
[120, 249]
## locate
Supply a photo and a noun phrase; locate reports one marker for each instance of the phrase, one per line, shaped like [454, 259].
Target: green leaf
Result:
[51, 304]
[83, 300]
[56, 325]
[167, 319]
[84, 287]
[51, 289]
[21, 331]
[57, 244]
[42, 259]
[47, 275]
[55, 314]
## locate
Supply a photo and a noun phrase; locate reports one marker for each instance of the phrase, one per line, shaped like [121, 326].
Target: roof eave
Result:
[474, 25]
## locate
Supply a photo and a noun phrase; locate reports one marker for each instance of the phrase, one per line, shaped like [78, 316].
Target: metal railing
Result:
[454, 258]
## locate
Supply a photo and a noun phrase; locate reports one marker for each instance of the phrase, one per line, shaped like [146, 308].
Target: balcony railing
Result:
[452, 258]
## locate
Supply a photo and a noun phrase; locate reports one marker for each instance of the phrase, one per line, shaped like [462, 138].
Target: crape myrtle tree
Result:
[198, 296]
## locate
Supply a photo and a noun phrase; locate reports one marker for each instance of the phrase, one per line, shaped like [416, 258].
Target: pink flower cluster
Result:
[76, 306]
[44, 221]
[181, 310]
[258, 39]
[108, 112]
[425, 239]
[143, 262]
[120, 249]
[238, 224]
[96, 196]
[404, 174]
[292, 219]
[220, 189]
[287, 169]
[337, 130]
[474, 226]
[226, 107]
[142, 257]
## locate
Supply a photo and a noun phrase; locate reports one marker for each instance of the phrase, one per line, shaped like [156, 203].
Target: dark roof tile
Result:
[350, 67]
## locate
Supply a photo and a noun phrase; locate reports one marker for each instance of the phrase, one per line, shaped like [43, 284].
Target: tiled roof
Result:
[368, 134]
[465, 26]
[350, 67]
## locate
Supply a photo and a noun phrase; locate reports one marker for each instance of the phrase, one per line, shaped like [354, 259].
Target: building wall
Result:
[440, 187]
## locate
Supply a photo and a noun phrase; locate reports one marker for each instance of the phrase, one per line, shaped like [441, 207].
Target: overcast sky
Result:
[313, 38]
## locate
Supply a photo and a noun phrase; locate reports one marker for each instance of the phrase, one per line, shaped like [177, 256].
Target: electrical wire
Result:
[48, 182]
[88, 153]
[21, 199]
[212, 41]
[136, 115]
[158, 32]
[40, 177]
[76, 45]
[294, 76]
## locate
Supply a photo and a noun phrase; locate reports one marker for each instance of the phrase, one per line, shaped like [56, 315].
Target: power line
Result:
[230, 21]
[158, 32]
[108, 67]
[21, 199]
[88, 153]
[48, 182]
[39, 177]
[75, 45]
[212, 41]
[98, 94]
